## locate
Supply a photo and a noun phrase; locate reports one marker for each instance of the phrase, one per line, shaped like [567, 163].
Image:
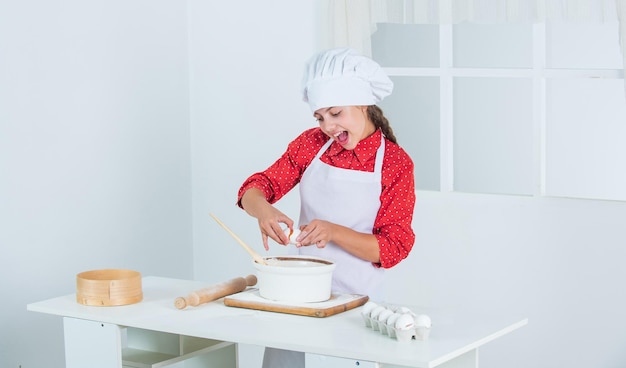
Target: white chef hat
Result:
[342, 77]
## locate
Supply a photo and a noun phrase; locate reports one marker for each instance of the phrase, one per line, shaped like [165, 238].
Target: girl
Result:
[356, 184]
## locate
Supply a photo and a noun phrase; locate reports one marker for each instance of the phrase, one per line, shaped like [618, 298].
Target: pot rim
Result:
[299, 258]
[323, 267]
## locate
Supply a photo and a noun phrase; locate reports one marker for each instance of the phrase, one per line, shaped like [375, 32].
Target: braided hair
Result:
[377, 117]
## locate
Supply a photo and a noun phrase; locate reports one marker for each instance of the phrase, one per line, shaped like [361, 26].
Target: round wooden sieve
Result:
[109, 287]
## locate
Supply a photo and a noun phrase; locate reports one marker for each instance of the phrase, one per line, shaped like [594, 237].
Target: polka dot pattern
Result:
[392, 226]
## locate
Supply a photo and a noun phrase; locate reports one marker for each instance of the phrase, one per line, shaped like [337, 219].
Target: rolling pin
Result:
[215, 292]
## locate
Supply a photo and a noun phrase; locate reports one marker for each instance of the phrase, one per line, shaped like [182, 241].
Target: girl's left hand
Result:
[316, 232]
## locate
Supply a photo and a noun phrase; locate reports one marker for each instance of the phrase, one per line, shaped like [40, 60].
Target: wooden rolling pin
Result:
[215, 292]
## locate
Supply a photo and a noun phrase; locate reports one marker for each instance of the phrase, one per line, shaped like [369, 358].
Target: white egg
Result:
[382, 317]
[376, 311]
[382, 321]
[365, 312]
[391, 321]
[423, 320]
[367, 308]
[405, 322]
[294, 235]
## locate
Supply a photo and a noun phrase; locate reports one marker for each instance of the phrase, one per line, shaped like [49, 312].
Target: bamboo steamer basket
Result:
[108, 287]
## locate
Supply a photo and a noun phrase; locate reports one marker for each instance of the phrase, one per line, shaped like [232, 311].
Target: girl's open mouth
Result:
[342, 138]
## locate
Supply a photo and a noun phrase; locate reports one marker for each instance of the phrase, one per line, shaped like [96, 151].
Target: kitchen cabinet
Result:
[98, 344]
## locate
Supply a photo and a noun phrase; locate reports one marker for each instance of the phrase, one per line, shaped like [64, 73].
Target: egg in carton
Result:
[391, 324]
[400, 323]
[388, 327]
[374, 316]
[366, 310]
[423, 324]
[382, 320]
[409, 326]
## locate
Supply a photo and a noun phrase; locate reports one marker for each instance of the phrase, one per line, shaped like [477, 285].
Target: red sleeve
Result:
[393, 224]
[284, 174]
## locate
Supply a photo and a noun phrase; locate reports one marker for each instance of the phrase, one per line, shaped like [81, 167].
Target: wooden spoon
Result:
[255, 255]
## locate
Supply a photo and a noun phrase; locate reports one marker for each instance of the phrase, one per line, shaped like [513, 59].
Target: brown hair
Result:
[377, 117]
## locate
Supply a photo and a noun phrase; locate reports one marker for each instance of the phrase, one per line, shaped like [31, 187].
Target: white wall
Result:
[246, 105]
[94, 155]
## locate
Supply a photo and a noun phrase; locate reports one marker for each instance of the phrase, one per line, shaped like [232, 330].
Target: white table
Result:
[153, 333]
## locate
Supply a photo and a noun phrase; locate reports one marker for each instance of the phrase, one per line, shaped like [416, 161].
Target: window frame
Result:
[539, 73]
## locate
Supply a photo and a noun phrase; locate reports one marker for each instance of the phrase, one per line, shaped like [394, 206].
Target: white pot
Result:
[295, 278]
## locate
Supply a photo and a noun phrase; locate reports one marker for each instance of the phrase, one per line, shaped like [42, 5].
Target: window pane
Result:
[489, 45]
[413, 112]
[585, 135]
[580, 46]
[493, 135]
[406, 45]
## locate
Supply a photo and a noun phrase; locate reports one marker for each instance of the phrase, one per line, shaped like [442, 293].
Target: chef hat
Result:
[342, 77]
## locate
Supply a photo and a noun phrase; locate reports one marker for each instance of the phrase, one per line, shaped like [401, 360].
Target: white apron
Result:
[350, 198]
[346, 197]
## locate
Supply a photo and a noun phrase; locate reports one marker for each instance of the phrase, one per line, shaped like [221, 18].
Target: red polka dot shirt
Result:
[392, 226]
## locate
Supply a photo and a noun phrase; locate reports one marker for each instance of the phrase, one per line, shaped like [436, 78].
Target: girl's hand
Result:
[317, 232]
[269, 218]
[362, 245]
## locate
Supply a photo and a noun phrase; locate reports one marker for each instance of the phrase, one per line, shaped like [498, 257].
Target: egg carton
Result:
[399, 323]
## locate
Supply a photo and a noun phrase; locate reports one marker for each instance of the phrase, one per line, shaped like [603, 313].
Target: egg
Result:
[365, 312]
[423, 320]
[292, 235]
[405, 322]
[376, 311]
[374, 316]
[382, 319]
[366, 309]
[422, 327]
[391, 322]
[384, 314]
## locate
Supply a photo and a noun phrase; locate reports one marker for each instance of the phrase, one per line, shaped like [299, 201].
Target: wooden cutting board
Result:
[337, 303]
